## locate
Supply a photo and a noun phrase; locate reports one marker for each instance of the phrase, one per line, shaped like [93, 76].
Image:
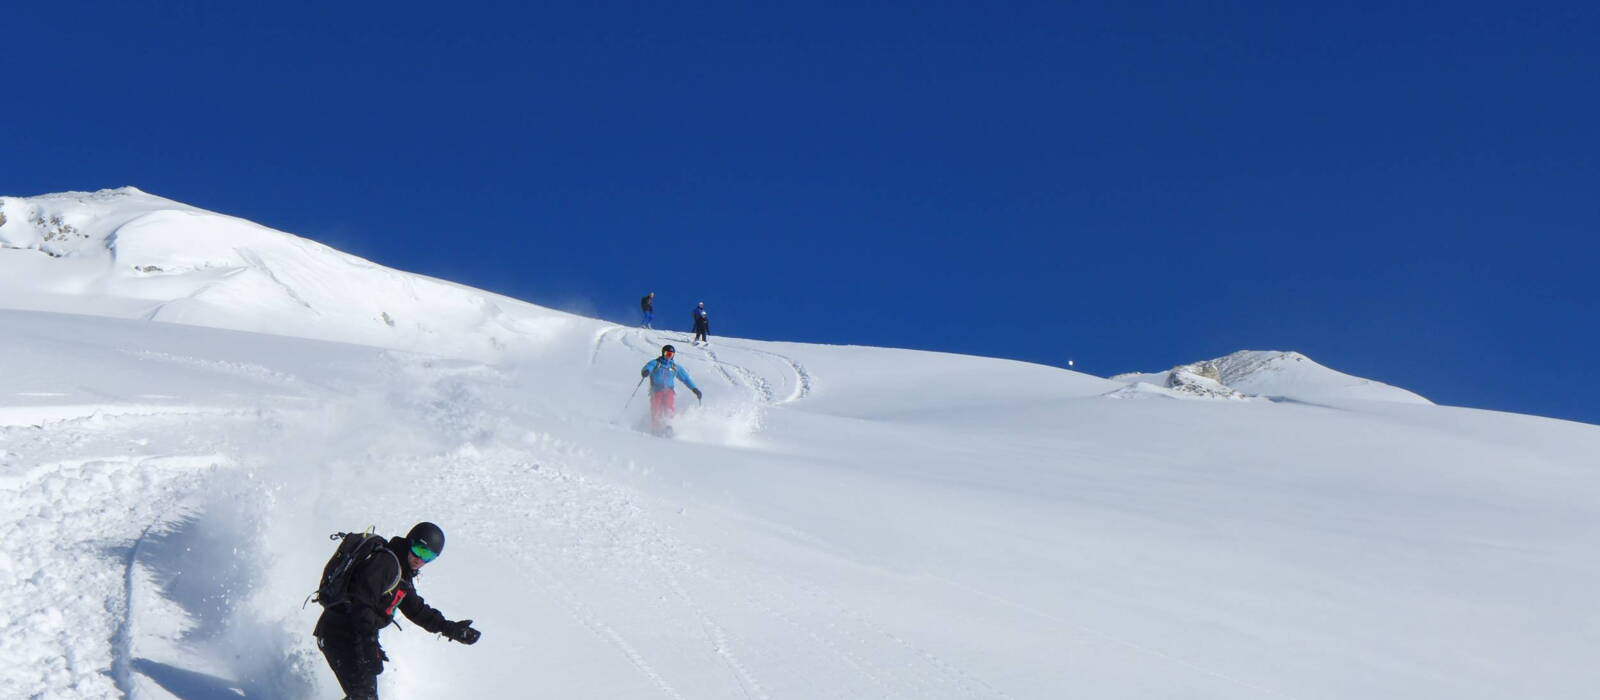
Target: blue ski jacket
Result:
[662, 374]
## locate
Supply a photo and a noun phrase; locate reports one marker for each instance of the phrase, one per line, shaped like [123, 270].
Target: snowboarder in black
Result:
[347, 633]
[702, 326]
[648, 306]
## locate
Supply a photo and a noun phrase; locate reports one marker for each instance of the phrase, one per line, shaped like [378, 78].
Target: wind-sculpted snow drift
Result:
[833, 522]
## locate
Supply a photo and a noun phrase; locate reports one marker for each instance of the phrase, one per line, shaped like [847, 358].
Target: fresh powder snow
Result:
[192, 403]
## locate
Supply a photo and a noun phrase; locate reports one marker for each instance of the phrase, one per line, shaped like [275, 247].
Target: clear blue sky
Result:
[1408, 192]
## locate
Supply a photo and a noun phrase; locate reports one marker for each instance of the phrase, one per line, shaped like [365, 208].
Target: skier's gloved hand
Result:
[461, 631]
[697, 393]
[644, 373]
[372, 656]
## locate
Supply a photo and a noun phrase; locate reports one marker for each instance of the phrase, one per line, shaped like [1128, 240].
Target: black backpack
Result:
[355, 548]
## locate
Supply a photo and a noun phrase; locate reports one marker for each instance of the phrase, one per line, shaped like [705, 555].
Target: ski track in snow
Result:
[640, 340]
[122, 644]
[1090, 632]
[605, 632]
[802, 383]
[600, 342]
[868, 633]
[92, 508]
[239, 369]
[922, 673]
[751, 380]
[715, 635]
[574, 498]
[814, 637]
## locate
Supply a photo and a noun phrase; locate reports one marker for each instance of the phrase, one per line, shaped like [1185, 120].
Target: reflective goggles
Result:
[423, 553]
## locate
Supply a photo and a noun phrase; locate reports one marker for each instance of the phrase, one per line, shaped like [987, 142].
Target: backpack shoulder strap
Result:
[393, 583]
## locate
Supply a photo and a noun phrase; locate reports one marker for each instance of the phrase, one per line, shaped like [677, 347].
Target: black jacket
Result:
[647, 304]
[371, 607]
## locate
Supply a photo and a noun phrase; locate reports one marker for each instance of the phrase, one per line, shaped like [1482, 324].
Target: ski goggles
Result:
[423, 553]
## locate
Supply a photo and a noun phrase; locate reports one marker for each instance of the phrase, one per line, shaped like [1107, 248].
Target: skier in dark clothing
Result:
[702, 326]
[648, 306]
[347, 633]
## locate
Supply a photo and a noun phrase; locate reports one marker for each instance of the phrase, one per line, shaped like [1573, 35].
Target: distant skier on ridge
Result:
[663, 373]
[702, 326]
[647, 305]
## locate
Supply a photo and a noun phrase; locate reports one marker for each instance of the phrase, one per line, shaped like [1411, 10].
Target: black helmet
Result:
[426, 541]
[668, 348]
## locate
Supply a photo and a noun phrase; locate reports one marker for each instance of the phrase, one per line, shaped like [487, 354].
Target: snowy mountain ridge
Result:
[831, 521]
[136, 255]
[67, 223]
[130, 254]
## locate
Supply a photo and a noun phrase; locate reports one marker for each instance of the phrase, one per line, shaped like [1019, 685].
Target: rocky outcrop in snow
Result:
[74, 223]
[1201, 379]
[1261, 373]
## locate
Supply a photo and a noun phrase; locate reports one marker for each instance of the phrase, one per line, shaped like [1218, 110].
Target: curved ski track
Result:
[111, 480]
[640, 340]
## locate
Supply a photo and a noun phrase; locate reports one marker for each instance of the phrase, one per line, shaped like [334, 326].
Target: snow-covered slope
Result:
[831, 522]
[1270, 374]
[129, 254]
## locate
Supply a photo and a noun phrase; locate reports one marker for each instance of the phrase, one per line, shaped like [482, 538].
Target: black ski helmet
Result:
[668, 348]
[428, 535]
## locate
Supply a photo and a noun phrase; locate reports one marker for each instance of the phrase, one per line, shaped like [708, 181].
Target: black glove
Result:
[644, 373]
[697, 394]
[372, 656]
[461, 631]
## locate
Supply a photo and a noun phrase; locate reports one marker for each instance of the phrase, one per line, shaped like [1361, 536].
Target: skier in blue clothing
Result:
[663, 373]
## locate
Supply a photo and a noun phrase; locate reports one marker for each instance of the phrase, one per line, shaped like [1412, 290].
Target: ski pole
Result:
[635, 393]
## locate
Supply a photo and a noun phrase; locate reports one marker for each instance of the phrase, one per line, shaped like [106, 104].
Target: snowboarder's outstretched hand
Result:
[461, 631]
[697, 394]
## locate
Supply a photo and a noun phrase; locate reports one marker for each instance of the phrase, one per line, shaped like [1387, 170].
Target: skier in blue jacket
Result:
[664, 373]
